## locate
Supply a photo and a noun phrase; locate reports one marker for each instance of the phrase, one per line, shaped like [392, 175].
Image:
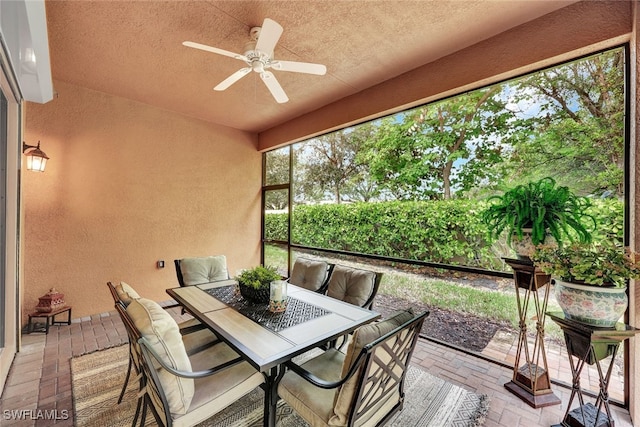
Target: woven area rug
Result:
[97, 379]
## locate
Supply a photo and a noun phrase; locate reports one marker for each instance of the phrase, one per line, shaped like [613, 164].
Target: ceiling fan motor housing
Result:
[249, 47]
[257, 60]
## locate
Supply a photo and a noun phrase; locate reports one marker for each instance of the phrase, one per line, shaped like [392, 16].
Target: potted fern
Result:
[254, 283]
[530, 213]
[590, 279]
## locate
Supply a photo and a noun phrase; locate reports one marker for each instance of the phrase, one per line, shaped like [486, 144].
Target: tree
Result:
[333, 168]
[432, 151]
[277, 172]
[578, 129]
[277, 166]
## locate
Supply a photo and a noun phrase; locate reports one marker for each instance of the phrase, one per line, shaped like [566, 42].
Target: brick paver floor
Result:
[40, 377]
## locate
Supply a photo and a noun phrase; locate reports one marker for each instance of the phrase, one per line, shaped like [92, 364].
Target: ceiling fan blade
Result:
[269, 36]
[274, 87]
[233, 78]
[214, 50]
[299, 67]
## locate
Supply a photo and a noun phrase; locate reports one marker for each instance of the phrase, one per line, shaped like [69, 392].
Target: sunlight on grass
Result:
[481, 302]
[447, 295]
[451, 296]
[276, 256]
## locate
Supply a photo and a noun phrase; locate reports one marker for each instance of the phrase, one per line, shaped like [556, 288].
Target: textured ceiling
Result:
[133, 49]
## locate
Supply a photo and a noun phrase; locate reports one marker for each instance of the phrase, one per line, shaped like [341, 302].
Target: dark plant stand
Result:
[589, 345]
[531, 381]
[50, 319]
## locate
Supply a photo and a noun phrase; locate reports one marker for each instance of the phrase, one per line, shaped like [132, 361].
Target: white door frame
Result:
[11, 150]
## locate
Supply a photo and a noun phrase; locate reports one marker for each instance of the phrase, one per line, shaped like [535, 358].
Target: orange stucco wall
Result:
[126, 185]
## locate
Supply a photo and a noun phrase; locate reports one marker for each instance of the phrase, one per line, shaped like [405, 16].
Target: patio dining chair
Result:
[125, 293]
[365, 386]
[353, 285]
[199, 270]
[311, 274]
[135, 357]
[196, 336]
[182, 390]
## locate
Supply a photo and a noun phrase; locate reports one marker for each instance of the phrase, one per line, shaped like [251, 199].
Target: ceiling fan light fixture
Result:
[257, 66]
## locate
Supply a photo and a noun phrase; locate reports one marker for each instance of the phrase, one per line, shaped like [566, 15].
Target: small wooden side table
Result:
[531, 381]
[590, 345]
[50, 319]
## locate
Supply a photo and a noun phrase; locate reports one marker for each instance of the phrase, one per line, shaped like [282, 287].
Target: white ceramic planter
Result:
[593, 305]
[524, 247]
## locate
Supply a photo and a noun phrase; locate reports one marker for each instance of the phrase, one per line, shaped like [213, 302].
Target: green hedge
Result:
[609, 215]
[448, 231]
[276, 226]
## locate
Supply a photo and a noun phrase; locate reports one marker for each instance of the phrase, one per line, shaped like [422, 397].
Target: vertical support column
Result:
[632, 389]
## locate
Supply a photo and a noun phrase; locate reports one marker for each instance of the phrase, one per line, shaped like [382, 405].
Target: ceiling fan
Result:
[258, 55]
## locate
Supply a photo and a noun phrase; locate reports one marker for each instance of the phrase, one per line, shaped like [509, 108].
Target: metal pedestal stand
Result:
[531, 381]
[589, 345]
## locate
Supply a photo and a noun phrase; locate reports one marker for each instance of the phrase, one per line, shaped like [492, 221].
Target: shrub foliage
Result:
[441, 231]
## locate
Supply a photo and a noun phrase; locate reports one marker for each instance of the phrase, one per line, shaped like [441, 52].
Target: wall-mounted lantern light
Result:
[36, 159]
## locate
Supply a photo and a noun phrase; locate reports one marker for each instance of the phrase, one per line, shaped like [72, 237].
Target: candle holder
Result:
[278, 296]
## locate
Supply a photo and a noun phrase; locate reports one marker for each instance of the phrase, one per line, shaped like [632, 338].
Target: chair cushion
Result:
[351, 285]
[362, 336]
[216, 392]
[159, 328]
[308, 274]
[196, 271]
[312, 403]
[126, 293]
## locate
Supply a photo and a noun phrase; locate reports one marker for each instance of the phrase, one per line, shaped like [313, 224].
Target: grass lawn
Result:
[447, 295]
[479, 301]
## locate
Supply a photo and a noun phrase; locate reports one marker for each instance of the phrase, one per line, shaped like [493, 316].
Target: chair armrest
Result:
[325, 285]
[362, 356]
[171, 306]
[319, 382]
[203, 347]
[184, 374]
[191, 329]
[374, 292]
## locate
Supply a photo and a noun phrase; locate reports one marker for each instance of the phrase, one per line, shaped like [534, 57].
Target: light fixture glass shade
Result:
[36, 159]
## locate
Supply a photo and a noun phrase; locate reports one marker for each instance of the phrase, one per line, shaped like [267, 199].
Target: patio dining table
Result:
[267, 340]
